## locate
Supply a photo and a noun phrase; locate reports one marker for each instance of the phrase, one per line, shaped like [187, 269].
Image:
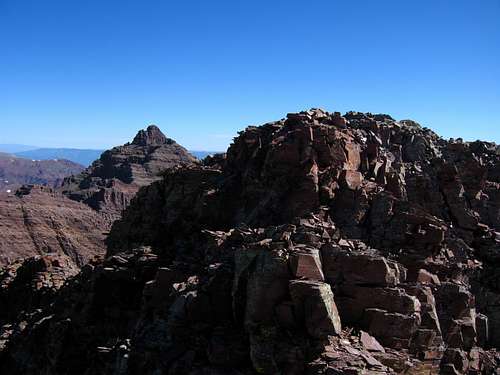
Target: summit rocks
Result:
[152, 136]
[319, 244]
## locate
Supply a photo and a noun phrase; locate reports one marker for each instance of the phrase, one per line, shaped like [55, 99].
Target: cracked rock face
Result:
[320, 244]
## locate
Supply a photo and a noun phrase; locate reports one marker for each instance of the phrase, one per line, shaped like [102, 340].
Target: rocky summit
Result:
[318, 244]
[110, 182]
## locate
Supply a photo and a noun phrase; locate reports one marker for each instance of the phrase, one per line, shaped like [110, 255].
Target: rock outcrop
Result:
[110, 182]
[319, 244]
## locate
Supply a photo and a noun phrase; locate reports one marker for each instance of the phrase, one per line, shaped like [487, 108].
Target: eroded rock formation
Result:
[320, 244]
[110, 182]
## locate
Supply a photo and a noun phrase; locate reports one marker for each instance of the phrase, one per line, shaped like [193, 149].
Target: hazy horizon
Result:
[35, 147]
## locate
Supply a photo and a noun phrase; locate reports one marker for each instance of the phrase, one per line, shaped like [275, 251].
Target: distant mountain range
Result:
[16, 171]
[202, 154]
[13, 148]
[80, 156]
[84, 157]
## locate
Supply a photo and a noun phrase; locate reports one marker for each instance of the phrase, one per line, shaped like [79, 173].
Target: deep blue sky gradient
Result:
[91, 73]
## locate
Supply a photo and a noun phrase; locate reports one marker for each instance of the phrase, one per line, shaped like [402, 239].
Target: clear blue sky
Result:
[90, 73]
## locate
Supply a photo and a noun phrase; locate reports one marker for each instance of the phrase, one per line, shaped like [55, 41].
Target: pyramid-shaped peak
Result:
[150, 137]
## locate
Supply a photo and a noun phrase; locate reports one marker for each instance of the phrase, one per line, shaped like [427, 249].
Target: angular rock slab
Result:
[306, 263]
[260, 283]
[314, 304]
[360, 269]
[370, 343]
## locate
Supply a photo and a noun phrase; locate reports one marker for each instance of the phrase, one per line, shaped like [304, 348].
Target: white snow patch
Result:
[9, 191]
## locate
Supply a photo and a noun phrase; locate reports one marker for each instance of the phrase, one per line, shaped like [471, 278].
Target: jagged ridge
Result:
[322, 244]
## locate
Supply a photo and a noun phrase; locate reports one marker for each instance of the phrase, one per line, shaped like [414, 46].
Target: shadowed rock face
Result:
[29, 283]
[319, 244]
[110, 182]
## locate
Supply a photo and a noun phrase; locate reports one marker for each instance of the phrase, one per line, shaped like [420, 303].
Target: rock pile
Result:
[319, 244]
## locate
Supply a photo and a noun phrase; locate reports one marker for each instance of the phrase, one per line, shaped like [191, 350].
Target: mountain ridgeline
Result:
[16, 171]
[318, 244]
[84, 157]
[70, 215]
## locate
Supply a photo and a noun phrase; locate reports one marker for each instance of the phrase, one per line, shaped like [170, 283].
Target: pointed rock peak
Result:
[150, 137]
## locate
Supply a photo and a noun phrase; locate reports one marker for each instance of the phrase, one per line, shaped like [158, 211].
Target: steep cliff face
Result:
[319, 244]
[38, 220]
[110, 182]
